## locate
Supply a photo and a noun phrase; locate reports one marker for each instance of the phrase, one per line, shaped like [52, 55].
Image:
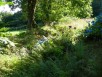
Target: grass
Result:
[13, 33]
[6, 63]
[75, 22]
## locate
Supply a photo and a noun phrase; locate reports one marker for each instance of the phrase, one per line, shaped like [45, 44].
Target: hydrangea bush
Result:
[94, 30]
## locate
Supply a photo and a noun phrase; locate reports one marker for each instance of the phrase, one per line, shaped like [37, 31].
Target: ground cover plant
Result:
[50, 39]
[62, 54]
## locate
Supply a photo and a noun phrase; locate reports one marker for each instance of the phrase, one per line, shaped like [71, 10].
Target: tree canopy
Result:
[52, 10]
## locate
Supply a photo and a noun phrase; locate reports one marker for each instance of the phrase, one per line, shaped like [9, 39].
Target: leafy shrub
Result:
[59, 57]
[5, 34]
[49, 11]
[2, 24]
[4, 29]
[56, 64]
[15, 20]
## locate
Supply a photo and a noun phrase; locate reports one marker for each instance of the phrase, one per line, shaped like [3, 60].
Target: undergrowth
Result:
[64, 54]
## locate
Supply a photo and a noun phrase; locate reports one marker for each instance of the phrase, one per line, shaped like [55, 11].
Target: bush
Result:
[94, 31]
[5, 34]
[56, 64]
[15, 20]
[59, 57]
[4, 29]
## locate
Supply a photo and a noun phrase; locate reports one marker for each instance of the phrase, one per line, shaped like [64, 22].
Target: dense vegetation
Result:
[50, 38]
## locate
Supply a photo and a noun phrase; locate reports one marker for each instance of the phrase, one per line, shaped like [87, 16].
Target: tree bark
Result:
[31, 11]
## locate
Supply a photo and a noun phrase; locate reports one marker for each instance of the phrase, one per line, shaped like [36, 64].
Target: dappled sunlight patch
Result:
[7, 62]
[11, 33]
[74, 22]
[50, 29]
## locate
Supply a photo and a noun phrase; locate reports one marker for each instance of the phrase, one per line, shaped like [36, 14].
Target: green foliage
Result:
[2, 2]
[26, 39]
[52, 10]
[55, 64]
[6, 46]
[4, 29]
[81, 8]
[5, 34]
[15, 20]
[94, 30]
[58, 57]
[2, 24]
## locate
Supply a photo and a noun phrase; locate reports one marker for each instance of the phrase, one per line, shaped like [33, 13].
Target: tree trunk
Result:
[31, 11]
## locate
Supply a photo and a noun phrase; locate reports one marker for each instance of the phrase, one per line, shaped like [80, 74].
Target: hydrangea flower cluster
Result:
[94, 30]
